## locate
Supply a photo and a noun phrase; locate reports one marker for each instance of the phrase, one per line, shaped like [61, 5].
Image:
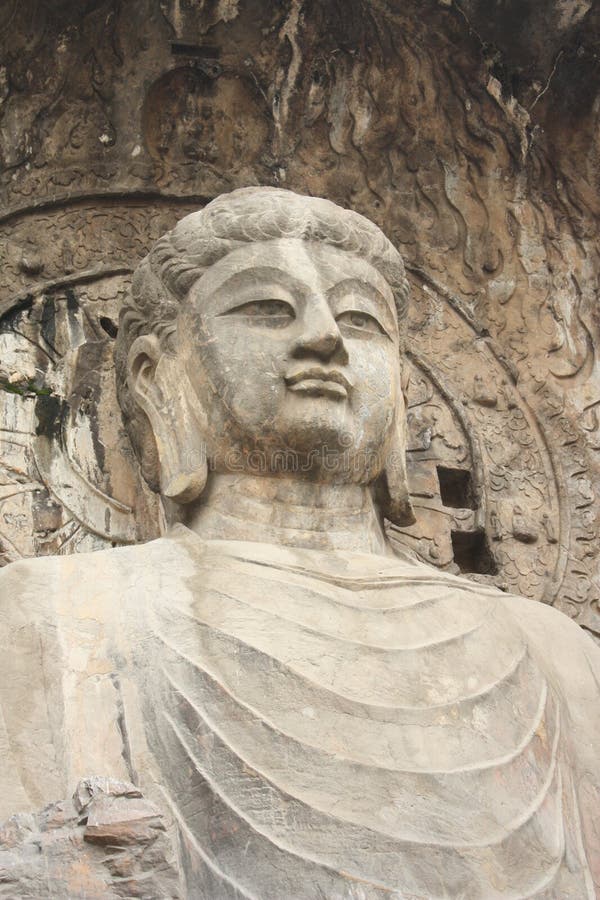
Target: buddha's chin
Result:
[325, 424]
[309, 436]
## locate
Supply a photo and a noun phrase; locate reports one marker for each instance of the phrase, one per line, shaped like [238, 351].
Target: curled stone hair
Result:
[249, 215]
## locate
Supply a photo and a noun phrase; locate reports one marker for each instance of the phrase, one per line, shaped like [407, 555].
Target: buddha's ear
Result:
[393, 494]
[159, 385]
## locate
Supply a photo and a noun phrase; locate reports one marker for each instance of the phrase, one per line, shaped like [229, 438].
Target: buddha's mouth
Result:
[317, 382]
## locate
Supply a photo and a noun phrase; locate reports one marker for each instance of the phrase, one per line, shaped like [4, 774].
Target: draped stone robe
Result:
[315, 725]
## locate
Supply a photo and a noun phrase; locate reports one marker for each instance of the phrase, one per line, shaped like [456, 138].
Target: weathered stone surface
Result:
[467, 130]
[312, 710]
[50, 854]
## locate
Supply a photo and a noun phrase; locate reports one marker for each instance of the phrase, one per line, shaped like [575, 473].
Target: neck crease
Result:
[288, 512]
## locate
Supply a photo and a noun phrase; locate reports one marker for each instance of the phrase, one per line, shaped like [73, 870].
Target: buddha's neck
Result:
[290, 512]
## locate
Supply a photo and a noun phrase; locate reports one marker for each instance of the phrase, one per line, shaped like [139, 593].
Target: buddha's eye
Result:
[270, 313]
[357, 320]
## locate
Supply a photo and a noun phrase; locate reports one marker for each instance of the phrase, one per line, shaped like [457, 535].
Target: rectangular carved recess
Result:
[456, 488]
[472, 552]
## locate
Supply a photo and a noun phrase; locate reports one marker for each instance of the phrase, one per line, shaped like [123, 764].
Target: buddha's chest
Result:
[330, 752]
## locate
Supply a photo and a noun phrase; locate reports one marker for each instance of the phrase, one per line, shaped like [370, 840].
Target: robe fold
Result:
[315, 725]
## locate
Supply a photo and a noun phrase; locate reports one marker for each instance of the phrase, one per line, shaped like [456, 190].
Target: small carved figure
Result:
[548, 526]
[483, 393]
[313, 714]
[495, 526]
[523, 530]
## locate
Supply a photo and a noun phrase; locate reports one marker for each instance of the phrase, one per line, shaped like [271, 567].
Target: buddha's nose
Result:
[320, 335]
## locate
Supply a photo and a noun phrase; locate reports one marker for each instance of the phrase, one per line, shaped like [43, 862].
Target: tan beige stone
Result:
[314, 710]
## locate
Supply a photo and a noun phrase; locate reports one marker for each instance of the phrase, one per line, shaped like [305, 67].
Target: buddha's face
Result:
[292, 347]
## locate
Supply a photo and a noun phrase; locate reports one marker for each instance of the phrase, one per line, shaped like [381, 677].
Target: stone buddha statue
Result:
[314, 715]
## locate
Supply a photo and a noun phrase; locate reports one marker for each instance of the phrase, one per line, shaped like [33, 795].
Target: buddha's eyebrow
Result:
[366, 289]
[252, 275]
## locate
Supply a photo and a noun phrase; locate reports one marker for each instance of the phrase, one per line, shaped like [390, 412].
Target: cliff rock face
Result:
[467, 130]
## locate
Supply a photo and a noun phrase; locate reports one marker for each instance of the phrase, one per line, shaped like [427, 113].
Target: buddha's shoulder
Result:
[566, 650]
[562, 648]
[550, 634]
[540, 622]
[44, 585]
[558, 646]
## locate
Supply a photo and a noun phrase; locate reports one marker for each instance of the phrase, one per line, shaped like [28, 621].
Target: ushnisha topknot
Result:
[249, 215]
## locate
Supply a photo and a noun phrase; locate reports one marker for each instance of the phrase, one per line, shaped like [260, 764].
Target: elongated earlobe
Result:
[393, 492]
[183, 467]
[178, 425]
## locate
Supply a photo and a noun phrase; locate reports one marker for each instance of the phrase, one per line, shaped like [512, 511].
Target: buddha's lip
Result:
[318, 374]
